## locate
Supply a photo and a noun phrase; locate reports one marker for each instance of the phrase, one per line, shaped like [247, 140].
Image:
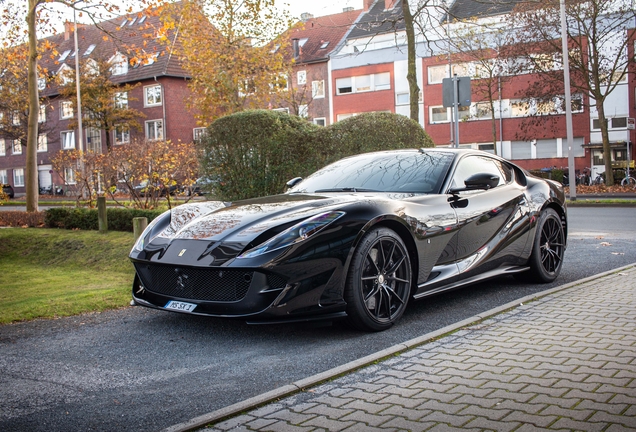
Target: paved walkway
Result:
[565, 361]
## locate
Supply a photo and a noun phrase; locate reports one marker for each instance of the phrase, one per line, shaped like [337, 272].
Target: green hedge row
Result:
[86, 219]
[254, 153]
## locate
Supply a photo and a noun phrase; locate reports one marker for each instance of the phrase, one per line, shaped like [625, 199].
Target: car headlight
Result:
[153, 229]
[299, 232]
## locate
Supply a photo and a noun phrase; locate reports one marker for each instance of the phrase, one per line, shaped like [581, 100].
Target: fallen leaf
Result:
[605, 244]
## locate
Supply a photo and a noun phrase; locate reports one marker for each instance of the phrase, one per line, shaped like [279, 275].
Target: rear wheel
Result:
[548, 249]
[379, 281]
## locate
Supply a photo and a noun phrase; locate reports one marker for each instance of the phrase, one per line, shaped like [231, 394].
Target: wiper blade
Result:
[346, 189]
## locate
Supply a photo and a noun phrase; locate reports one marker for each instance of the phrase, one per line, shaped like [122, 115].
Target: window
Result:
[438, 114]
[382, 81]
[619, 122]
[345, 116]
[89, 49]
[301, 77]
[93, 140]
[198, 133]
[64, 55]
[18, 177]
[92, 68]
[16, 147]
[303, 111]
[119, 64]
[279, 83]
[461, 69]
[285, 110]
[66, 110]
[68, 140]
[302, 42]
[65, 75]
[363, 83]
[15, 118]
[402, 98]
[3, 150]
[3, 177]
[69, 175]
[543, 62]
[343, 85]
[596, 123]
[324, 45]
[321, 121]
[42, 114]
[437, 73]
[483, 110]
[463, 112]
[318, 89]
[121, 100]
[154, 130]
[519, 108]
[152, 95]
[42, 143]
[478, 164]
[545, 107]
[122, 135]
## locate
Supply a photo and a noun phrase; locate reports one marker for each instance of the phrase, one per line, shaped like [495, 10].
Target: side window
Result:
[471, 165]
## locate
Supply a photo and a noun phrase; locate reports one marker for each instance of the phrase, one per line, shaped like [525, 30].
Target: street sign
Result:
[463, 90]
[631, 123]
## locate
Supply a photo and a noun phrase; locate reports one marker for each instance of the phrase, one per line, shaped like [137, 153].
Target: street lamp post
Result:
[568, 103]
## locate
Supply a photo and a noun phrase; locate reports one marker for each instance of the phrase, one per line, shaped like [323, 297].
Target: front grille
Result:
[200, 283]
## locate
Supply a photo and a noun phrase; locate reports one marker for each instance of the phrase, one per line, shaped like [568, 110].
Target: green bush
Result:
[86, 219]
[254, 153]
[374, 132]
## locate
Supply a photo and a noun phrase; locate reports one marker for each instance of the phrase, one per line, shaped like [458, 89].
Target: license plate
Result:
[180, 306]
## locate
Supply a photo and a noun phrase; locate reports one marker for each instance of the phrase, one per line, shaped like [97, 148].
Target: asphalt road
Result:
[144, 370]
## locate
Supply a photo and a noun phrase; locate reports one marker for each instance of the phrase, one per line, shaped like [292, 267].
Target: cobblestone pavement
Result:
[566, 361]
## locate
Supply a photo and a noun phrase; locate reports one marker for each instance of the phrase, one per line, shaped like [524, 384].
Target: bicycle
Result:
[629, 181]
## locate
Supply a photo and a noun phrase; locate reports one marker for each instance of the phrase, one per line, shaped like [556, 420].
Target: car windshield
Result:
[400, 171]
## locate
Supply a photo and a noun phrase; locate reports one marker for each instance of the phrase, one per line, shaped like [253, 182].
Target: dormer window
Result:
[324, 45]
[123, 23]
[119, 64]
[65, 75]
[302, 42]
[143, 18]
[133, 21]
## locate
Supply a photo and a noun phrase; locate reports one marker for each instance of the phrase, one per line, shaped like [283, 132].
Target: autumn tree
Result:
[157, 164]
[598, 32]
[105, 104]
[39, 16]
[231, 51]
[81, 172]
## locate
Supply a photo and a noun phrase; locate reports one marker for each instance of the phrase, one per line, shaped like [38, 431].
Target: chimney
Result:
[296, 48]
[68, 29]
[305, 16]
[368, 4]
[389, 4]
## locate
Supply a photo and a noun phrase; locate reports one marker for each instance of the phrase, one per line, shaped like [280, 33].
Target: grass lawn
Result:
[46, 273]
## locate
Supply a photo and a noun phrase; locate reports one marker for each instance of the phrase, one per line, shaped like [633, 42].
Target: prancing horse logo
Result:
[181, 281]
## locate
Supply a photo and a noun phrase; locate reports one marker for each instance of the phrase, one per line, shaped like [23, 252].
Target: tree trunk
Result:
[31, 175]
[411, 75]
[607, 150]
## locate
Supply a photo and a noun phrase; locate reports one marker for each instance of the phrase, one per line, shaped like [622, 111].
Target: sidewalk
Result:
[566, 360]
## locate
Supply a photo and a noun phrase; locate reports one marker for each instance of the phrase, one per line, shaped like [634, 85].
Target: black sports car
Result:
[357, 239]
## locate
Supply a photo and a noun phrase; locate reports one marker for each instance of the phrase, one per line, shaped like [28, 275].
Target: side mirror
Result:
[480, 181]
[293, 182]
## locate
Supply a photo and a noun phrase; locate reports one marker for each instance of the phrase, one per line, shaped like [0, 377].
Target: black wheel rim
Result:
[551, 245]
[386, 279]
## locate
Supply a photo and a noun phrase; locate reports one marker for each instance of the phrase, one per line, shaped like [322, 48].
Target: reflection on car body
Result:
[356, 240]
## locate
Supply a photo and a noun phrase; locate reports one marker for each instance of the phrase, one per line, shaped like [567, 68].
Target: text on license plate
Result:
[180, 306]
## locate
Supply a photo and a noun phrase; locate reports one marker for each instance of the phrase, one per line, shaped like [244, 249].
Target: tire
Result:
[548, 249]
[628, 181]
[379, 281]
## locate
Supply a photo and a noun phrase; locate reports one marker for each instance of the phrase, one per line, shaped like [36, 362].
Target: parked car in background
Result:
[358, 239]
[8, 190]
[144, 188]
[202, 186]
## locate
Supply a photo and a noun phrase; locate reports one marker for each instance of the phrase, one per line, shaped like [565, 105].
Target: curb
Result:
[295, 387]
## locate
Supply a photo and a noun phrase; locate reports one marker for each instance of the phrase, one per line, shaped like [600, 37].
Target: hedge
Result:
[254, 153]
[86, 219]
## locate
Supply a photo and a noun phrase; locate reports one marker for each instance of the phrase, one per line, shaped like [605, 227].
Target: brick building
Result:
[160, 95]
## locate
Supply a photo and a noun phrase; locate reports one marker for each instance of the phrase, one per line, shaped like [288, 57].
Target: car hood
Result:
[242, 221]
